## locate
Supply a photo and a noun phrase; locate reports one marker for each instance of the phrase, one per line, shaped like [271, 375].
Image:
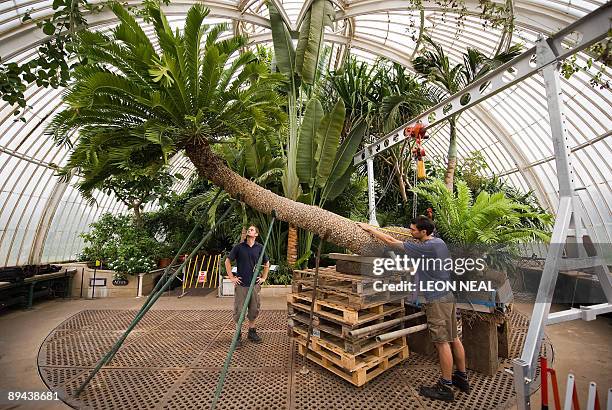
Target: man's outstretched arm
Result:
[396, 244]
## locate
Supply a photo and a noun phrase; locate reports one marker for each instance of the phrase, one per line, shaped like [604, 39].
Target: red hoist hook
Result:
[417, 132]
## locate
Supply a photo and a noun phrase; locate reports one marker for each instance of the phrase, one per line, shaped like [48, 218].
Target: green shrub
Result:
[120, 244]
[282, 275]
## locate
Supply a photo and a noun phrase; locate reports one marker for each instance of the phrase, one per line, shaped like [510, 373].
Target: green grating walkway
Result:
[173, 358]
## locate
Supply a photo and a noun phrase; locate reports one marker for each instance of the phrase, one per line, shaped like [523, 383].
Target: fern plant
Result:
[488, 219]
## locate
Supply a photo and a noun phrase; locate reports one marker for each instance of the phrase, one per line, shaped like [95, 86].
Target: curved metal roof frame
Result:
[41, 216]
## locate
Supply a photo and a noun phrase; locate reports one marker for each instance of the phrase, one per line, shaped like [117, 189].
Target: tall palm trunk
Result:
[400, 181]
[336, 229]
[292, 245]
[451, 165]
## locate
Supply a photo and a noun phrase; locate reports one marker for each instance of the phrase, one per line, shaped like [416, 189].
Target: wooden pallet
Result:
[350, 283]
[336, 308]
[357, 265]
[349, 361]
[352, 347]
[358, 291]
[339, 332]
[349, 299]
[365, 373]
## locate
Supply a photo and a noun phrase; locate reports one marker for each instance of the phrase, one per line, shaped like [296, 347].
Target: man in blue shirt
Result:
[439, 307]
[246, 254]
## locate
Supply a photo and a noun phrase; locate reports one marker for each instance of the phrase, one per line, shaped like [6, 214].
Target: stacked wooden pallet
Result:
[346, 302]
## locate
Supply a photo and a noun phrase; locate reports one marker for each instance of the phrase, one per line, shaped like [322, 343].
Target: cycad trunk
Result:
[449, 177]
[334, 228]
[292, 245]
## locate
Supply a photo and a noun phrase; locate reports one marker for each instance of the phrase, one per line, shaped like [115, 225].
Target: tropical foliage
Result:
[134, 105]
[436, 68]
[319, 146]
[486, 219]
[120, 245]
[251, 131]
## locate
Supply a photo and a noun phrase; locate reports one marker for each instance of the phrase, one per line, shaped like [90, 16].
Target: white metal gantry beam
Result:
[592, 28]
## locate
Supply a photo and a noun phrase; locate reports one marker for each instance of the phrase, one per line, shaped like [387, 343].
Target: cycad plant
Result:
[487, 219]
[146, 105]
[490, 226]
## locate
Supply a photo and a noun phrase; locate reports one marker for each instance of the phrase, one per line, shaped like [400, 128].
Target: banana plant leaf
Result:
[344, 159]
[283, 45]
[307, 147]
[328, 139]
[310, 40]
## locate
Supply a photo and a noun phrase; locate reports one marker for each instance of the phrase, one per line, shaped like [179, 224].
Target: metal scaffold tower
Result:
[569, 232]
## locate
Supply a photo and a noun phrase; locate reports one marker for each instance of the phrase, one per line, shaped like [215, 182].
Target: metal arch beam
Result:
[13, 40]
[552, 157]
[371, 47]
[306, 6]
[593, 28]
[42, 229]
[283, 14]
[363, 44]
[552, 18]
[27, 36]
[302, 12]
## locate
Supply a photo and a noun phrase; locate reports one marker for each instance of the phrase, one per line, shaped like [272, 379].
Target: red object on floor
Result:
[575, 402]
[545, 371]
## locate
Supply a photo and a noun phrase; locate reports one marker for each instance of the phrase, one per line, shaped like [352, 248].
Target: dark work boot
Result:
[438, 391]
[253, 336]
[239, 340]
[460, 380]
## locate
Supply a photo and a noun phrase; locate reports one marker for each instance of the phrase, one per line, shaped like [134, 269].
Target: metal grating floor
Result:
[172, 360]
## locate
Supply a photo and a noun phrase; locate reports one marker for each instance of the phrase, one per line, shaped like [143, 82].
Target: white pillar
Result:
[371, 194]
[140, 278]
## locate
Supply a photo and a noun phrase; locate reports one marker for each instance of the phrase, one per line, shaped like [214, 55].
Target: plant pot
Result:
[163, 262]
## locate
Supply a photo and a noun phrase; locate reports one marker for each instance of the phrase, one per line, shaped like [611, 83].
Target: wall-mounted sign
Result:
[120, 282]
[202, 276]
[97, 282]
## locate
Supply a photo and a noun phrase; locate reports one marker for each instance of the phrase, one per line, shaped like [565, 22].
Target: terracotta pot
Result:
[163, 262]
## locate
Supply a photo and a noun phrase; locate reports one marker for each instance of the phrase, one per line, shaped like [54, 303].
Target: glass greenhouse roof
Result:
[41, 216]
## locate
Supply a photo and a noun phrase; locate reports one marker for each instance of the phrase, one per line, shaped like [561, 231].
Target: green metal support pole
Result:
[111, 353]
[178, 254]
[304, 370]
[228, 358]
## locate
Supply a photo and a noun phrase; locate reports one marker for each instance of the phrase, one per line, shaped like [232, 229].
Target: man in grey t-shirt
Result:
[439, 307]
